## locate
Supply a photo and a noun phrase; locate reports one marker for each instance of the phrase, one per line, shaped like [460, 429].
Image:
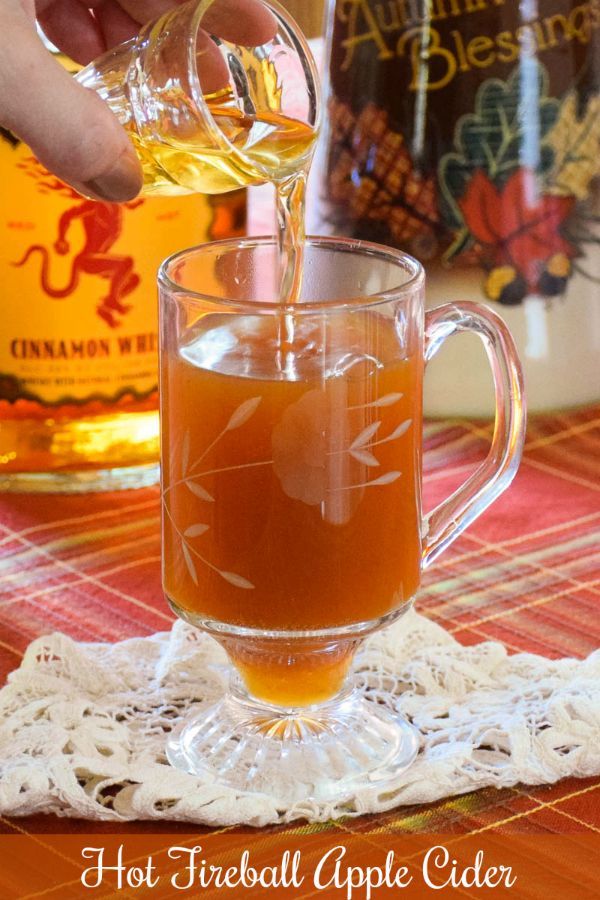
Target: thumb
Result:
[71, 131]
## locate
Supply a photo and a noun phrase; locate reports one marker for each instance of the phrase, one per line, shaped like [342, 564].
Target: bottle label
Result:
[468, 132]
[78, 284]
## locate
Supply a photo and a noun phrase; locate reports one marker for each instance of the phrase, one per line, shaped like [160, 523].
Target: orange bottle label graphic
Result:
[78, 285]
[102, 225]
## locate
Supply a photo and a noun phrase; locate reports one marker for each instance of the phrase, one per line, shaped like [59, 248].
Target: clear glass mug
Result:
[209, 113]
[291, 492]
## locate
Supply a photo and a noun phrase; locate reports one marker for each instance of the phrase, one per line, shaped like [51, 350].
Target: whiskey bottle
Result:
[78, 333]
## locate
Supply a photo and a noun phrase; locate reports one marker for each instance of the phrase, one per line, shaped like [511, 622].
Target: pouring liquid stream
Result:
[263, 147]
[290, 199]
[281, 148]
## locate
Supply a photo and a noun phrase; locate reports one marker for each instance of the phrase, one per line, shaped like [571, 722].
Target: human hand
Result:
[71, 130]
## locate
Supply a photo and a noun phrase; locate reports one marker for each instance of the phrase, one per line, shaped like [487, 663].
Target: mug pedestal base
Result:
[295, 755]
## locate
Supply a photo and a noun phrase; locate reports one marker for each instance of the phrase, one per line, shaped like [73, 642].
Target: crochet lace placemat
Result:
[83, 726]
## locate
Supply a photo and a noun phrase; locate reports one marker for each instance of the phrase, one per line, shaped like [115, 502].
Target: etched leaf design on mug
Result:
[189, 562]
[365, 436]
[195, 531]
[236, 580]
[387, 478]
[364, 456]
[386, 400]
[199, 491]
[305, 458]
[243, 413]
[190, 478]
[309, 443]
[398, 432]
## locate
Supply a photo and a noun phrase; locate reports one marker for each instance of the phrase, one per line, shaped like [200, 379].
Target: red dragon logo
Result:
[102, 224]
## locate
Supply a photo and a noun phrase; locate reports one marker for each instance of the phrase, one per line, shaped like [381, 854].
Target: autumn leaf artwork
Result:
[513, 195]
[515, 202]
[519, 231]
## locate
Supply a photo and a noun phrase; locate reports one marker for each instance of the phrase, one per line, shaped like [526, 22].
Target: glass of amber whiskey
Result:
[208, 114]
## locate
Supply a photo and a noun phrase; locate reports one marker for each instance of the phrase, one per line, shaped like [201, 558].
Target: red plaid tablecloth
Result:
[527, 574]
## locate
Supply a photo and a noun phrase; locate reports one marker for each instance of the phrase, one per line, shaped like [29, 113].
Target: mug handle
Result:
[444, 523]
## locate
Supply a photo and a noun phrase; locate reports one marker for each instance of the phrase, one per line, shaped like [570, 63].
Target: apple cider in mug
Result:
[290, 498]
[291, 491]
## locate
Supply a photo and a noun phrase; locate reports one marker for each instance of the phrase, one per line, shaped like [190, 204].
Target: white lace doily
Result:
[82, 726]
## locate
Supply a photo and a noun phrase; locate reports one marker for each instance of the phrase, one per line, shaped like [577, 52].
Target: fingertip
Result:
[70, 129]
[247, 22]
[122, 180]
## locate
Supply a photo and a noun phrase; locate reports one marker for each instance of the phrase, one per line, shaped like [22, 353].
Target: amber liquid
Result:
[267, 147]
[291, 487]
